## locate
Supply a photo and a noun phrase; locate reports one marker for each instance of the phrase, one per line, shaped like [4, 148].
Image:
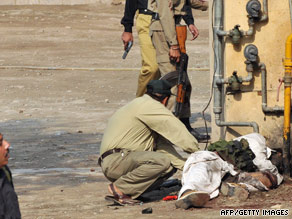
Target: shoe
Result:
[192, 198]
[120, 199]
[122, 202]
[200, 138]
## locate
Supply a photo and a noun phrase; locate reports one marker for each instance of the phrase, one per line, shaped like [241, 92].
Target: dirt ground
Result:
[62, 77]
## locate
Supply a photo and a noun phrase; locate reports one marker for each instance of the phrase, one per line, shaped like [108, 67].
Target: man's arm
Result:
[128, 21]
[166, 18]
[189, 20]
[159, 119]
[167, 22]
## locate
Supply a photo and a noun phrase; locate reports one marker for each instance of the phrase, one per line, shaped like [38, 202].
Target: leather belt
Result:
[145, 11]
[177, 19]
[109, 152]
[155, 16]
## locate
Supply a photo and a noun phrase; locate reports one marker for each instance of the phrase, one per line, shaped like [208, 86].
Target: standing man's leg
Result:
[166, 66]
[149, 70]
[162, 52]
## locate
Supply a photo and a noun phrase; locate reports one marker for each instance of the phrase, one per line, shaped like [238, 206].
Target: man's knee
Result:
[149, 70]
[162, 162]
[166, 67]
[165, 160]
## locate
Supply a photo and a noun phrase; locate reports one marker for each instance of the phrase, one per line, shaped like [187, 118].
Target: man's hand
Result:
[126, 38]
[194, 31]
[174, 53]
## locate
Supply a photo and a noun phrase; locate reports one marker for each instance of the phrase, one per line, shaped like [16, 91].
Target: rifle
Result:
[129, 46]
[181, 31]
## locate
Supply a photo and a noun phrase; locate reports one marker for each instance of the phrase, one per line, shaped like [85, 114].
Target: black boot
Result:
[200, 138]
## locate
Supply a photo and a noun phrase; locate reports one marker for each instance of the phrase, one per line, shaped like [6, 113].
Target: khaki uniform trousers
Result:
[135, 172]
[149, 70]
[165, 67]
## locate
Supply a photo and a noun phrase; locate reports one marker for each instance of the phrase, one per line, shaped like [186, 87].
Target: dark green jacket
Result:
[9, 207]
[237, 153]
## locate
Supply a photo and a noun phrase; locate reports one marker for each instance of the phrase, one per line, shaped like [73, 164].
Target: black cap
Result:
[159, 86]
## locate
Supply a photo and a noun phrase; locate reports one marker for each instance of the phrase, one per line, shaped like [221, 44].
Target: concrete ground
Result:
[62, 77]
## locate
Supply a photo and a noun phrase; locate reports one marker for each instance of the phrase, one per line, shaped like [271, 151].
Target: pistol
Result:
[130, 44]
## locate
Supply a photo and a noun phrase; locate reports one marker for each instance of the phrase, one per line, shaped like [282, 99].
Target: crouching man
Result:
[137, 149]
[9, 207]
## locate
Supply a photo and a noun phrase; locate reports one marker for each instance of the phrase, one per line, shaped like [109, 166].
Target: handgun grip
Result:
[125, 55]
[130, 44]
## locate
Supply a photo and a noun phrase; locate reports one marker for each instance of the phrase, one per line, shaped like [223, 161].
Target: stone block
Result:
[234, 190]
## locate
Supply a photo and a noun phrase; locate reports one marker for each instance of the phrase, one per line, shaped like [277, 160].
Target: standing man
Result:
[9, 207]
[137, 152]
[149, 70]
[168, 14]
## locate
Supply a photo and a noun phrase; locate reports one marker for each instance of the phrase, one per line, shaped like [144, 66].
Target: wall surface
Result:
[269, 38]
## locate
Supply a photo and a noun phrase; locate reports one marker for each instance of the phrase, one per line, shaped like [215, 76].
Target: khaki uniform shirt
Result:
[166, 10]
[135, 125]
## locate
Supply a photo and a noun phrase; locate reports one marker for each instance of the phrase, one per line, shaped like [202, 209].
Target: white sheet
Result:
[203, 171]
